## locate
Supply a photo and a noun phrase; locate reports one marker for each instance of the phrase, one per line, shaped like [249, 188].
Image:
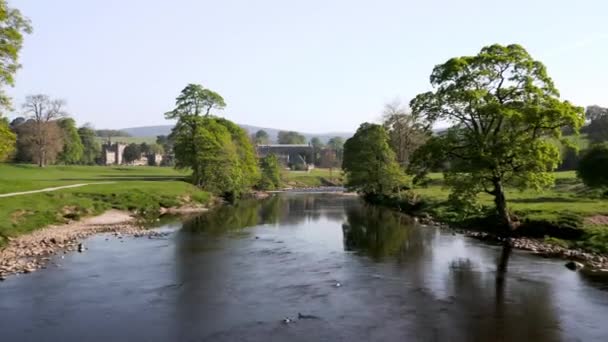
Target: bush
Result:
[271, 176]
[593, 166]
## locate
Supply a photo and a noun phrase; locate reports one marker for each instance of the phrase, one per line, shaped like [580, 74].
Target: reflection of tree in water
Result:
[286, 209]
[491, 308]
[375, 231]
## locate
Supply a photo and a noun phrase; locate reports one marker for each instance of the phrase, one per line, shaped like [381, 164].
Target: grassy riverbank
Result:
[569, 211]
[138, 189]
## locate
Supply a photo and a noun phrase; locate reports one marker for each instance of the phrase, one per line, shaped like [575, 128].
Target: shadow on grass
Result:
[547, 200]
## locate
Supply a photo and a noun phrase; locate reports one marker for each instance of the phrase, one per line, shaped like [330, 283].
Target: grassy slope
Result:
[141, 189]
[569, 197]
[313, 178]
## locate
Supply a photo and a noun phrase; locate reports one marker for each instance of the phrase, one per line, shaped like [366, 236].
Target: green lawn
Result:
[140, 189]
[23, 177]
[568, 195]
[312, 178]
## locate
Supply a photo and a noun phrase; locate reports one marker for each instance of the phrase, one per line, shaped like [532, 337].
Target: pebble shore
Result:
[593, 261]
[30, 252]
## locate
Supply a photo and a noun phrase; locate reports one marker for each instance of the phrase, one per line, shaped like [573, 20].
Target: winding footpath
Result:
[11, 194]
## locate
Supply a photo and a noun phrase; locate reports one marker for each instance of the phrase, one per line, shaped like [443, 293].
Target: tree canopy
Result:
[261, 137]
[290, 138]
[91, 149]
[406, 131]
[369, 163]
[73, 149]
[270, 173]
[7, 140]
[217, 150]
[131, 153]
[503, 107]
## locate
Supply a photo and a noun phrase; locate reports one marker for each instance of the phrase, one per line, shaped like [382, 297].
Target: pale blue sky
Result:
[311, 65]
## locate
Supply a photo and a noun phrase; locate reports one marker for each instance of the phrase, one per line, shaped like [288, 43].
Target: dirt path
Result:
[11, 194]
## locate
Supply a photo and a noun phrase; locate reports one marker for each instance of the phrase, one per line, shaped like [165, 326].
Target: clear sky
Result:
[312, 66]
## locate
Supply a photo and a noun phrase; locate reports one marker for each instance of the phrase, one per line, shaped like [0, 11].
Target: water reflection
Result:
[233, 273]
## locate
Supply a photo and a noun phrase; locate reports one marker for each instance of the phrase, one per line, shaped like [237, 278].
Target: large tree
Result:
[73, 149]
[193, 102]
[503, 108]
[91, 147]
[13, 26]
[43, 134]
[290, 138]
[369, 163]
[337, 144]
[406, 131]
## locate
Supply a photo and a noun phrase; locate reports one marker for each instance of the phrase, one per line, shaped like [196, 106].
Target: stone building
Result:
[111, 153]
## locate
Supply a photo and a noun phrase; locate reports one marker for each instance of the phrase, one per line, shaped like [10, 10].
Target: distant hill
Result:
[153, 131]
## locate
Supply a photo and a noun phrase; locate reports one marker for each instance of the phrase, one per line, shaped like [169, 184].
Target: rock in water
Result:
[80, 248]
[574, 265]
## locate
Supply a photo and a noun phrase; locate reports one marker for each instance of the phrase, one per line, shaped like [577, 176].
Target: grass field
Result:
[142, 189]
[312, 178]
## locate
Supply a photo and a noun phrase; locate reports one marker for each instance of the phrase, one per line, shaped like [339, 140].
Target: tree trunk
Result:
[501, 205]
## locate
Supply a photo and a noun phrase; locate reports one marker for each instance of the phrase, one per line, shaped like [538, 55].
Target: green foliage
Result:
[502, 106]
[12, 28]
[219, 152]
[7, 140]
[597, 129]
[261, 137]
[131, 153]
[90, 147]
[370, 164]
[73, 149]
[406, 132]
[593, 166]
[195, 100]
[271, 174]
[291, 138]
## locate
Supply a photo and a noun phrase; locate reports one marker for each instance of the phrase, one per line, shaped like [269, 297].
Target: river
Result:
[357, 273]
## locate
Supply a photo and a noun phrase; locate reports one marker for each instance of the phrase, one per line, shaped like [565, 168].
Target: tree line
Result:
[507, 126]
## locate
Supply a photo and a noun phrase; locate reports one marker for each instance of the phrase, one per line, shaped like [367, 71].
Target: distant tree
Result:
[156, 149]
[131, 153]
[7, 140]
[271, 175]
[317, 146]
[406, 132]
[593, 166]
[13, 26]
[166, 143]
[503, 107]
[111, 133]
[18, 121]
[337, 144]
[370, 164]
[144, 148]
[261, 137]
[595, 112]
[290, 138]
[73, 149]
[597, 129]
[91, 147]
[193, 101]
[43, 136]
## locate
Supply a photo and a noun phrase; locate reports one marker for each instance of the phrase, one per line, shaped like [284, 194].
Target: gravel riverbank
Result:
[33, 251]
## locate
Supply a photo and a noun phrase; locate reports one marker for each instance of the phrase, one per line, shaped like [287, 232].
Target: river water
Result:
[358, 273]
